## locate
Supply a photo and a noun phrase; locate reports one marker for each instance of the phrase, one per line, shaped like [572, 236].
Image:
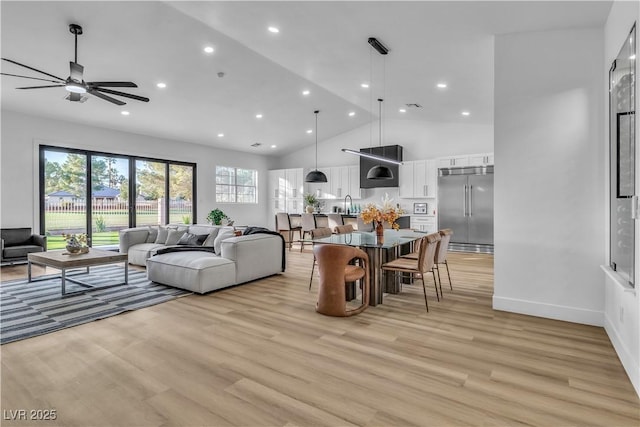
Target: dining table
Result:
[393, 244]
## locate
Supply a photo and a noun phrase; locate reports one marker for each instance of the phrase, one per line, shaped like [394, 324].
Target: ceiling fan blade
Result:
[31, 68]
[32, 78]
[105, 97]
[126, 95]
[77, 71]
[112, 84]
[39, 87]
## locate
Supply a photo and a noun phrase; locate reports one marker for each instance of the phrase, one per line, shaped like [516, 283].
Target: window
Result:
[235, 185]
[101, 193]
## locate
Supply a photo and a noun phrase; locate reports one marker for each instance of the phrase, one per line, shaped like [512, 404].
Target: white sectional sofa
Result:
[238, 259]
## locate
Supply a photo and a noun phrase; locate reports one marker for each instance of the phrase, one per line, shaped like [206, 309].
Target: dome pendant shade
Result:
[315, 176]
[379, 172]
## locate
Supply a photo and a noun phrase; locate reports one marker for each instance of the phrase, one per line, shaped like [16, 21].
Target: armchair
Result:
[18, 242]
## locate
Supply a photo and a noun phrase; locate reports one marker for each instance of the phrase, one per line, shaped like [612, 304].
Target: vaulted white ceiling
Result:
[321, 47]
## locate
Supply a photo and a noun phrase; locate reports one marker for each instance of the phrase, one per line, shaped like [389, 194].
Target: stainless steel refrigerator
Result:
[465, 204]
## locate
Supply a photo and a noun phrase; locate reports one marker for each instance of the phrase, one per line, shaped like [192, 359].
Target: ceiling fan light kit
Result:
[75, 84]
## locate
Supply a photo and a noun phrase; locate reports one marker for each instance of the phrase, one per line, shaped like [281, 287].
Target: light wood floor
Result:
[258, 355]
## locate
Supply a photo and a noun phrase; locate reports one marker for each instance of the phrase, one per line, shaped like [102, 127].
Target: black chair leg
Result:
[435, 283]
[425, 293]
[312, 269]
[448, 274]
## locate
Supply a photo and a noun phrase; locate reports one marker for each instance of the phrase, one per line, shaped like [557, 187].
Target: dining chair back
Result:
[333, 263]
[343, 229]
[441, 254]
[417, 268]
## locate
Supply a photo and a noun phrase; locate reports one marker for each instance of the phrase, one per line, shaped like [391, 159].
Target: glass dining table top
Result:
[392, 238]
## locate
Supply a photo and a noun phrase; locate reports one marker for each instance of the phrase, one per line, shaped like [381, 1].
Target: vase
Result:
[379, 232]
[73, 249]
[309, 209]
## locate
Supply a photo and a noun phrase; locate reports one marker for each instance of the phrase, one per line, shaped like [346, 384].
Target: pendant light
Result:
[316, 175]
[380, 171]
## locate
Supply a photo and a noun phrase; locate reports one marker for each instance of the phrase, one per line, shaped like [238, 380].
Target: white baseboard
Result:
[549, 311]
[630, 365]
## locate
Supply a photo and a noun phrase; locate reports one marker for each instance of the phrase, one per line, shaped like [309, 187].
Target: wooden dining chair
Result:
[335, 273]
[417, 268]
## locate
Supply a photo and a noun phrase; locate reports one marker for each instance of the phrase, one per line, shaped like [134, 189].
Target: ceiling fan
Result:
[75, 84]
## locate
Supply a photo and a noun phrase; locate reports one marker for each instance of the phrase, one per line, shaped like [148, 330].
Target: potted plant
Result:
[216, 216]
[311, 201]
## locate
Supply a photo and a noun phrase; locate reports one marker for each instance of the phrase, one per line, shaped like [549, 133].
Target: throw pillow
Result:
[201, 239]
[174, 236]
[211, 238]
[163, 233]
[188, 239]
[153, 234]
[223, 235]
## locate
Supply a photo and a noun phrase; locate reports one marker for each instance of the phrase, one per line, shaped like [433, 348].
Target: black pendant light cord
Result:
[316, 113]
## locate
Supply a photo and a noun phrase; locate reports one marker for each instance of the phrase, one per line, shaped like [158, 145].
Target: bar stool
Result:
[283, 223]
[308, 224]
[334, 220]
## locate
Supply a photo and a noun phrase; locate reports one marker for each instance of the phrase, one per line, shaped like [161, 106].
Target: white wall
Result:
[22, 133]
[622, 303]
[420, 140]
[549, 190]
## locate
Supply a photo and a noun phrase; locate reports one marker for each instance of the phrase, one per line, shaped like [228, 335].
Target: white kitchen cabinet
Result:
[354, 182]
[481, 159]
[447, 162]
[339, 182]
[277, 184]
[417, 179]
[294, 180]
[425, 224]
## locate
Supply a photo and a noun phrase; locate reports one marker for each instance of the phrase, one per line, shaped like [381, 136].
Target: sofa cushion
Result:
[195, 271]
[163, 233]
[211, 238]
[138, 254]
[174, 237]
[192, 239]
[16, 236]
[20, 251]
[222, 235]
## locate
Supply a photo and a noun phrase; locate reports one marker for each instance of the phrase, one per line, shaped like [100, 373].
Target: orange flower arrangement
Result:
[387, 212]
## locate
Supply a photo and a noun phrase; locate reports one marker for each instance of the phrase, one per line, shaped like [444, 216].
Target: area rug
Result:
[37, 308]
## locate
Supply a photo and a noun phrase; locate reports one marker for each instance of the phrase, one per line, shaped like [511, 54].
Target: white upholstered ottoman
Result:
[199, 272]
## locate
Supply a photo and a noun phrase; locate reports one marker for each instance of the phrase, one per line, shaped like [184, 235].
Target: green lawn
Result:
[99, 239]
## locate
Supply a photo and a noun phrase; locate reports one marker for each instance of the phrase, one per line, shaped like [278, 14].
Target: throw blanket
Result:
[262, 230]
[183, 248]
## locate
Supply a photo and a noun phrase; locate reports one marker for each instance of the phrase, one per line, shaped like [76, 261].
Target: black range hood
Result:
[393, 152]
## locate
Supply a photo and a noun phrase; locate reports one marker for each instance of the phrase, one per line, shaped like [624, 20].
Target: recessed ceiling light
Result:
[352, 113]
[161, 85]
[258, 116]
[441, 85]
[309, 130]
[365, 85]
[305, 92]
[208, 49]
[402, 110]
[124, 113]
[466, 113]
[273, 146]
[220, 135]
[274, 30]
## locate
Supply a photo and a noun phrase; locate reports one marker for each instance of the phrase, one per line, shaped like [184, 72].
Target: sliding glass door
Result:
[92, 193]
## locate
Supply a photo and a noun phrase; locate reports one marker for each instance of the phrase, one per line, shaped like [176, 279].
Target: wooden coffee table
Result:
[64, 261]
